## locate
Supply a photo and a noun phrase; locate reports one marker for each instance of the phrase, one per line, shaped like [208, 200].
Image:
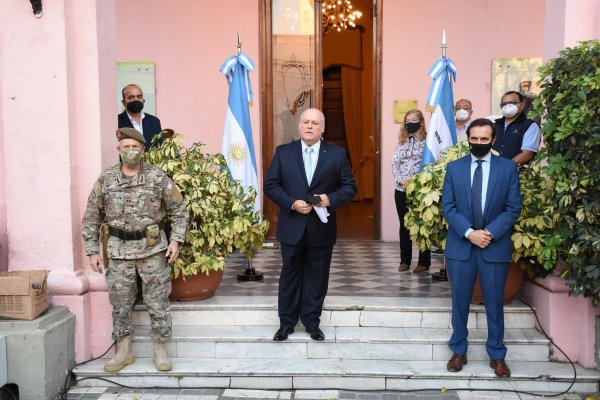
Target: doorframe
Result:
[377, 85]
[270, 209]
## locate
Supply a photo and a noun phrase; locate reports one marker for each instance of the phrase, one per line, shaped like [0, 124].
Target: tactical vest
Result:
[509, 141]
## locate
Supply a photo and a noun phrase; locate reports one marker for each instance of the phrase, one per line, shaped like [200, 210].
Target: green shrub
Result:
[569, 103]
[222, 216]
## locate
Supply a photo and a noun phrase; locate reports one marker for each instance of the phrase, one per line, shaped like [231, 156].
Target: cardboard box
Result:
[23, 294]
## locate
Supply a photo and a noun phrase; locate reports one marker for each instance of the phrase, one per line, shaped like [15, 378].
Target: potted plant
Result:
[569, 103]
[222, 215]
[534, 237]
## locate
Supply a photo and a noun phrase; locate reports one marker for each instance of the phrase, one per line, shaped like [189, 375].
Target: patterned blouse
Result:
[406, 161]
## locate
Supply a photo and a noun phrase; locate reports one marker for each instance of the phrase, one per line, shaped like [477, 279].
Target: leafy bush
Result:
[570, 105]
[222, 215]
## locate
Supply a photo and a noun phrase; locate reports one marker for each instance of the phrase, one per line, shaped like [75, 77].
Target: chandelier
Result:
[338, 15]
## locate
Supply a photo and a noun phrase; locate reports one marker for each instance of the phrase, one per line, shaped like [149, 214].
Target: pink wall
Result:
[50, 161]
[3, 236]
[561, 315]
[37, 149]
[476, 31]
[568, 22]
[189, 42]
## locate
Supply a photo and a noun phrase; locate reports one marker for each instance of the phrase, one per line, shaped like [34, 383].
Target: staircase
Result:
[372, 343]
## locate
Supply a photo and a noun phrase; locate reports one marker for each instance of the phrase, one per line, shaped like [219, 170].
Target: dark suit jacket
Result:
[286, 182]
[502, 208]
[150, 123]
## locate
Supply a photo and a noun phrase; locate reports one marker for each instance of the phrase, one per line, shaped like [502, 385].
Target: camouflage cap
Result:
[130, 133]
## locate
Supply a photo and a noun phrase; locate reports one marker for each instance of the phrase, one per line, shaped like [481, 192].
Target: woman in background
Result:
[406, 163]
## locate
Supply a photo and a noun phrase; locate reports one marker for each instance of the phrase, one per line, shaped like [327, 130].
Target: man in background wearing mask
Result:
[133, 116]
[481, 201]
[517, 137]
[127, 204]
[462, 112]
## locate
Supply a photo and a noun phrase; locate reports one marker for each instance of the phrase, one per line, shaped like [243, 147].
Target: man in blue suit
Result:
[133, 117]
[308, 179]
[481, 201]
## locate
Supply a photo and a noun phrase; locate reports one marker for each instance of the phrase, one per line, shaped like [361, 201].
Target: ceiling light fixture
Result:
[338, 15]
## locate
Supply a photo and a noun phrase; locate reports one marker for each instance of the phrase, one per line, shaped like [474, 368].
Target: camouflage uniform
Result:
[131, 205]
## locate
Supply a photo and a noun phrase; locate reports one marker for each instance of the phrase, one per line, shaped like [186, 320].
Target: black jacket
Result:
[150, 123]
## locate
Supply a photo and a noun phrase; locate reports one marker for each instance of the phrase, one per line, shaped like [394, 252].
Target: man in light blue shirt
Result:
[517, 137]
[481, 201]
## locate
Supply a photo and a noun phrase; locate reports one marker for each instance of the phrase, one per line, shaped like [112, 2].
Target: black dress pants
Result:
[405, 242]
[303, 282]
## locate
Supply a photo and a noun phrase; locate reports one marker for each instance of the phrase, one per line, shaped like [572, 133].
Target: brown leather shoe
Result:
[500, 368]
[456, 363]
[420, 268]
[403, 267]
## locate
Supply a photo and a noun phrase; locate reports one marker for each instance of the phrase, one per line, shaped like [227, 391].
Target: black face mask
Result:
[480, 149]
[135, 107]
[412, 127]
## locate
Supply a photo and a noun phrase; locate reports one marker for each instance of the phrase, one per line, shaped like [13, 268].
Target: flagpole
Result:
[442, 274]
[249, 273]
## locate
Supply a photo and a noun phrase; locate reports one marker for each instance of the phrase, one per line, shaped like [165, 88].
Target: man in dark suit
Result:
[481, 201]
[133, 117]
[307, 224]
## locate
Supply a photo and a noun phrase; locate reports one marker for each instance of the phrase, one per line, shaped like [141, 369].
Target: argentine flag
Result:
[441, 132]
[238, 145]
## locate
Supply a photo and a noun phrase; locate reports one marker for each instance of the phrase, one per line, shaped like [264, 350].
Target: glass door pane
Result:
[293, 49]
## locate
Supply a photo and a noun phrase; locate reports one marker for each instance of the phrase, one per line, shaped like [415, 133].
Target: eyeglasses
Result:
[463, 108]
[509, 102]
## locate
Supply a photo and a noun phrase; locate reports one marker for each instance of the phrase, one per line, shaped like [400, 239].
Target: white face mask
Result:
[462, 115]
[510, 110]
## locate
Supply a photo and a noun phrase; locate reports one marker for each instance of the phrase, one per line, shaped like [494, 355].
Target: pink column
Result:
[57, 122]
[568, 22]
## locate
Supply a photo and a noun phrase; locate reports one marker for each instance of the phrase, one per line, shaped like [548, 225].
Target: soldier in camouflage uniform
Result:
[129, 202]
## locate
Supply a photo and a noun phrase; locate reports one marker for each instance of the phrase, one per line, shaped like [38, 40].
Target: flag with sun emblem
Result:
[238, 145]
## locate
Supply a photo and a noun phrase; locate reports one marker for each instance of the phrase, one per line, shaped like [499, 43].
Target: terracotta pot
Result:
[195, 287]
[514, 281]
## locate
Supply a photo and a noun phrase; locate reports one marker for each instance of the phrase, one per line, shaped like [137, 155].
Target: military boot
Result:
[161, 360]
[123, 357]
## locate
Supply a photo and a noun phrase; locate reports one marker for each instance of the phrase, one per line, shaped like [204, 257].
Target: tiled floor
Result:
[358, 268]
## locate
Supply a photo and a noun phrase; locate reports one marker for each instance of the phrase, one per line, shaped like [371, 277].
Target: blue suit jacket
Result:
[150, 123]
[502, 208]
[286, 182]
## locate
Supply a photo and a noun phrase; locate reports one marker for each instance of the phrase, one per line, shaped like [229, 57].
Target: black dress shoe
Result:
[316, 333]
[282, 333]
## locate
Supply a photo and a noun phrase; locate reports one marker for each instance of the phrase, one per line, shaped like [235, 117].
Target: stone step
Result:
[340, 342]
[337, 311]
[350, 374]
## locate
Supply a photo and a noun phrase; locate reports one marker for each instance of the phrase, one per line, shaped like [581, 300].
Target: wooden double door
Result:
[337, 72]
